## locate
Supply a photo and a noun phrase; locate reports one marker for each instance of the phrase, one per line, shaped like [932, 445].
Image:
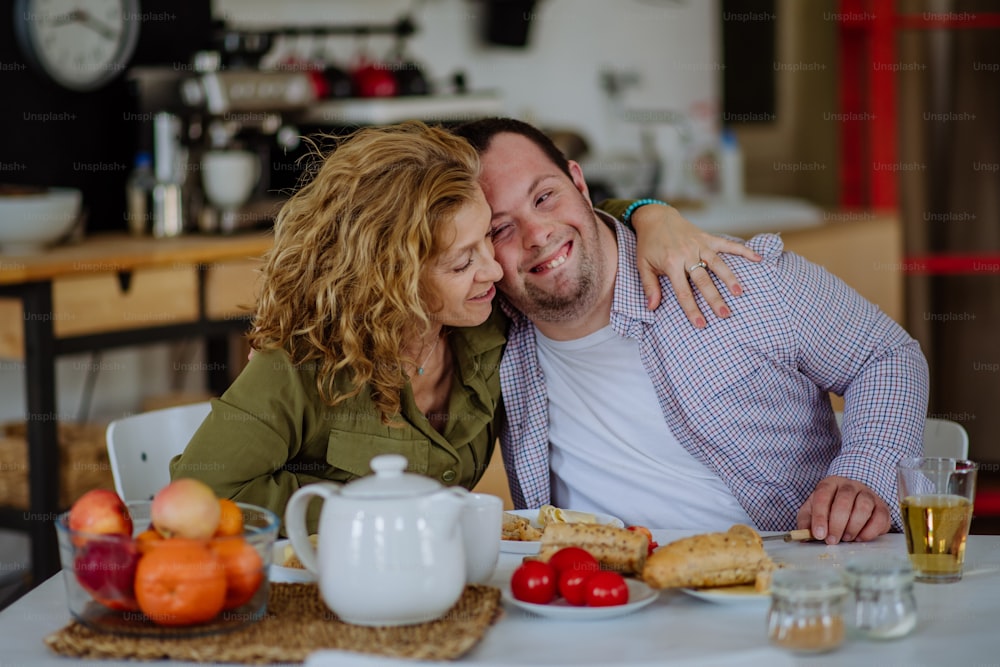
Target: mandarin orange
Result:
[147, 539]
[231, 519]
[244, 569]
[180, 582]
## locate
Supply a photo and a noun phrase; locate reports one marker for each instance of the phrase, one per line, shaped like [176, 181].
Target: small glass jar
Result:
[807, 609]
[880, 603]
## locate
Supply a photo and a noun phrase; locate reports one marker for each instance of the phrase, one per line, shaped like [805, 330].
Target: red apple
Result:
[100, 511]
[186, 508]
[105, 567]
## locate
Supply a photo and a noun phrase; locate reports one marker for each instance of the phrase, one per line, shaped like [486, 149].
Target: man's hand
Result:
[842, 509]
[669, 245]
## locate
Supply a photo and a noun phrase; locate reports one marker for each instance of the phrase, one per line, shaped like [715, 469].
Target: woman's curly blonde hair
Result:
[342, 283]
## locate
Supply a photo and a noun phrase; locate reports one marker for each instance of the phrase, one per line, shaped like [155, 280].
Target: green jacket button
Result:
[449, 476]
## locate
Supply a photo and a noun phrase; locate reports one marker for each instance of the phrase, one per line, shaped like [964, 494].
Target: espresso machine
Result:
[245, 130]
[219, 130]
[238, 127]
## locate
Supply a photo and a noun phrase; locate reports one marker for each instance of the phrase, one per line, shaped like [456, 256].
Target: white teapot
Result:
[390, 548]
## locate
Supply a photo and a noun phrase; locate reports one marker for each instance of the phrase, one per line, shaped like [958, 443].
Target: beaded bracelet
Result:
[627, 215]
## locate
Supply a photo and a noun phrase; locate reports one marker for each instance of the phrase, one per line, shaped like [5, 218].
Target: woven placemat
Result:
[298, 623]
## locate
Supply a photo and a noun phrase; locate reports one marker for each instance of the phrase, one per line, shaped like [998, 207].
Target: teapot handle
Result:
[295, 520]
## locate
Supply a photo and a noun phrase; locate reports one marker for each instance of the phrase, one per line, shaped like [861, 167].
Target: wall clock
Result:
[79, 44]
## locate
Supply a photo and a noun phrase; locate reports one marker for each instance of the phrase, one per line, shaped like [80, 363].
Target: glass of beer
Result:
[936, 496]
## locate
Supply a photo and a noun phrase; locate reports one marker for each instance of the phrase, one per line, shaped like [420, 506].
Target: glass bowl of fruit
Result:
[184, 564]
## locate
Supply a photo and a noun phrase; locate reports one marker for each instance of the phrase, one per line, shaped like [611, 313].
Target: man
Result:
[729, 423]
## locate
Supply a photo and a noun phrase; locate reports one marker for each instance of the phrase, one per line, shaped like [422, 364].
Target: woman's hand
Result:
[669, 245]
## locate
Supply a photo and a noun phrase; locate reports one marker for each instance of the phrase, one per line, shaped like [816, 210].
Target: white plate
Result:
[278, 573]
[639, 595]
[745, 594]
[523, 547]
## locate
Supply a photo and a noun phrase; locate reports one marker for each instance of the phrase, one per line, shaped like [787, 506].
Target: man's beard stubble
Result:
[542, 306]
[545, 307]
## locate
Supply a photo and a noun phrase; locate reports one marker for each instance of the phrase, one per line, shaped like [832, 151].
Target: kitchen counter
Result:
[121, 252]
[754, 214]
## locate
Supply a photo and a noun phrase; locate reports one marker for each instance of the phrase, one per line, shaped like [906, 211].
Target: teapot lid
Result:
[389, 480]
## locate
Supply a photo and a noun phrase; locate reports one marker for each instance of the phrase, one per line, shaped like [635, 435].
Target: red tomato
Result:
[605, 589]
[572, 586]
[573, 558]
[534, 581]
[649, 536]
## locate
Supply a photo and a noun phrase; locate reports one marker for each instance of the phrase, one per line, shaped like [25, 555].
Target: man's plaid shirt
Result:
[748, 395]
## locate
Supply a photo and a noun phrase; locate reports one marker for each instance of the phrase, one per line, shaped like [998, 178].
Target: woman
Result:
[374, 330]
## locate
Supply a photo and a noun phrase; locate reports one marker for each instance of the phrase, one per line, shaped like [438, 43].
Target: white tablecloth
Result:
[959, 625]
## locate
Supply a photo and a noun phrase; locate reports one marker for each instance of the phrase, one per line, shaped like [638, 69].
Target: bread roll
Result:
[709, 560]
[614, 548]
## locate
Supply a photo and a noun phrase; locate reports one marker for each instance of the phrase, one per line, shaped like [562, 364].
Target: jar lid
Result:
[808, 583]
[389, 480]
[878, 573]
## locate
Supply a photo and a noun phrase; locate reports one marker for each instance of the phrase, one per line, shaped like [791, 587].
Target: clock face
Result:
[79, 44]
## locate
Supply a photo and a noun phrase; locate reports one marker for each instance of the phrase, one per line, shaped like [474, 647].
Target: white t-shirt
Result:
[617, 455]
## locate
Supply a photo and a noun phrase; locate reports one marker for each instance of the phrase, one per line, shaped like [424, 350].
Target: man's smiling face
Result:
[545, 233]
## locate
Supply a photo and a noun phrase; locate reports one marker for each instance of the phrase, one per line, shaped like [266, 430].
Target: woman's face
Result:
[461, 278]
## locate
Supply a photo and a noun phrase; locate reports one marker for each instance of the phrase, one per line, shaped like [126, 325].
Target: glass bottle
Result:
[170, 169]
[880, 604]
[806, 614]
[138, 195]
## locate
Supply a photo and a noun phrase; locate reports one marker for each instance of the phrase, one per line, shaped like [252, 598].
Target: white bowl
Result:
[32, 222]
[280, 573]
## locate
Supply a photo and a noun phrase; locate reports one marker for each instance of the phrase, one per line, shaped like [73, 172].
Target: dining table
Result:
[958, 623]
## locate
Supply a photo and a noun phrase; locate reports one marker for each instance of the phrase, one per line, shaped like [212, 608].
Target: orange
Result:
[244, 569]
[180, 582]
[231, 520]
[147, 539]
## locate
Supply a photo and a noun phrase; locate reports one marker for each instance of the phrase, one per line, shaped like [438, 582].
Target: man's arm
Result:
[668, 244]
[848, 346]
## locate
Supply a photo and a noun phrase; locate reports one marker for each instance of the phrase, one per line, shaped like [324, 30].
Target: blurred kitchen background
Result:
[634, 90]
[866, 131]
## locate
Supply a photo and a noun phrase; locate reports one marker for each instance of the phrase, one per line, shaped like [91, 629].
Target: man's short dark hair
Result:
[480, 134]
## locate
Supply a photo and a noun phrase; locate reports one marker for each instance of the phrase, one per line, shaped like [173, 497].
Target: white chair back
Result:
[140, 447]
[946, 438]
[942, 437]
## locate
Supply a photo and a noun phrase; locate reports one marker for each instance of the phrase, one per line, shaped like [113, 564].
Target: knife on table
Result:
[800, 535]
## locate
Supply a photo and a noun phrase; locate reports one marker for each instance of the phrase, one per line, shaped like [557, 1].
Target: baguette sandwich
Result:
[614, 548]
[710, 560]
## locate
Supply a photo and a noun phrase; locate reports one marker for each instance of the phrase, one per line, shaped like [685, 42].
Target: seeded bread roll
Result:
[615, 548]
[709, 560]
